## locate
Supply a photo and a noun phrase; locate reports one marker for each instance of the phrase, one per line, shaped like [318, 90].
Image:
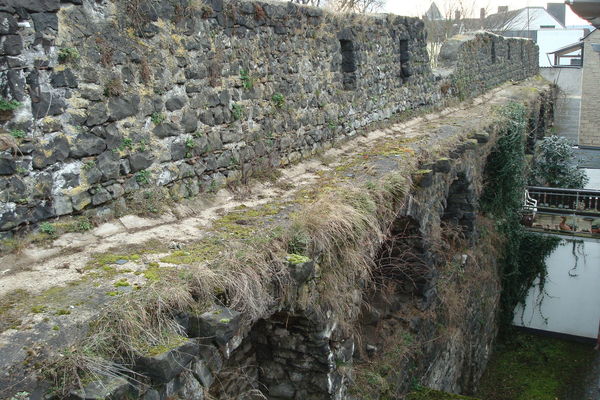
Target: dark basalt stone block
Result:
[220, 325]
[163, 367]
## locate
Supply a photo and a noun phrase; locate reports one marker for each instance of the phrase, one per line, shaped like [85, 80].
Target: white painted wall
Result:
[594, 182]
[552, 39]
[571, 304]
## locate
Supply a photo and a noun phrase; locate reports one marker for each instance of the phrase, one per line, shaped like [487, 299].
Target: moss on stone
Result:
[122, 283]
[168, 343]
[201, 251]
[295, 259]
[38, 309]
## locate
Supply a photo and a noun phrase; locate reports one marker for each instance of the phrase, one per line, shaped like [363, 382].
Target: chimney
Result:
[482, 13]
[557, 10]
[457, 15]
[502, 9]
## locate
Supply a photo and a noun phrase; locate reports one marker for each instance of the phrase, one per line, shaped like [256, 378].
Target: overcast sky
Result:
[418, 7]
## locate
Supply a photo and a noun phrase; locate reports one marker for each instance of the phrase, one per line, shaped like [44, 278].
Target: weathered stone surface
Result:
[108, 164]
[45, 104]
[86, 144]
[36, 5]
[302, 272]
[8, 24]
[45, 23]
[220, 324]
[140, 160]
[65, 78]
[101, 196]
[163, 367]
[178, 150]
[203, 373]
[81, 200]
[62, 205]
[167, 129]
[7, 165]
[112, 388]
[97, 114]
[55, 150]
[175, 103]
[11, 45]
[123, 107]
[191, 388]
[443, 165]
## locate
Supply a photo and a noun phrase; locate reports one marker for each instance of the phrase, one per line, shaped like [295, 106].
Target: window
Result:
[493, 52]
[404, 59]
[508, 51]
[349, 66]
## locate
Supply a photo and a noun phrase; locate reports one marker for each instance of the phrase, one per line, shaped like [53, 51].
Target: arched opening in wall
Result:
[405, 71]
[493, 52]
[461, 206]
[401, 265]
[287, 356]
[349, 63]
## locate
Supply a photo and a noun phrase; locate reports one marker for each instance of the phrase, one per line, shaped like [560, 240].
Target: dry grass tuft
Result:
[344, 232]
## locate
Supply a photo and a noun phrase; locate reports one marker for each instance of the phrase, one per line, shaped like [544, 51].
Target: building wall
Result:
[568, 102]
[551, 39]
[589, 135]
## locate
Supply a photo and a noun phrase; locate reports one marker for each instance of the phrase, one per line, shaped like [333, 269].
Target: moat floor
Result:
[531, 367]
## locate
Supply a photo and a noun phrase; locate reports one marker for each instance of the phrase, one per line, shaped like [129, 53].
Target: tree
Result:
[357, 6]
[315, 3]
[554, 165]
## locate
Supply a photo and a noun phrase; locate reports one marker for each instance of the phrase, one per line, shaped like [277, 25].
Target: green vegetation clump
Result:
[122, 283]
[278, 100]
[143, 177]
[17, 133]
[48, 228]
[237, 111]
[524, 253]
[554, 165]
[38, 309]
[531, 367]
[9, 105]
[374, 380]
[247, 80]
[157, 118]
[68, 54]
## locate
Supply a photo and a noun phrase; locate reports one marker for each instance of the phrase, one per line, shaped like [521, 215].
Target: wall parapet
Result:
[180, 98]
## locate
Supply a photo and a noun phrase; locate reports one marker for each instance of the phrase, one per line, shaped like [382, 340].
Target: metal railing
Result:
[584, 202]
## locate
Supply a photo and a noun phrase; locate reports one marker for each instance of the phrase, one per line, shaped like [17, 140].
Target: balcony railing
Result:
[585, 202]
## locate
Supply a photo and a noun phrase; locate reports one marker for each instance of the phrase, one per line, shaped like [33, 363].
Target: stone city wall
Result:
[106, 100]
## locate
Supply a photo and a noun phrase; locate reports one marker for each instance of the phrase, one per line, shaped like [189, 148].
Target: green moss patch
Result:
[531, 367]
[169, 343]
[297, 259]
